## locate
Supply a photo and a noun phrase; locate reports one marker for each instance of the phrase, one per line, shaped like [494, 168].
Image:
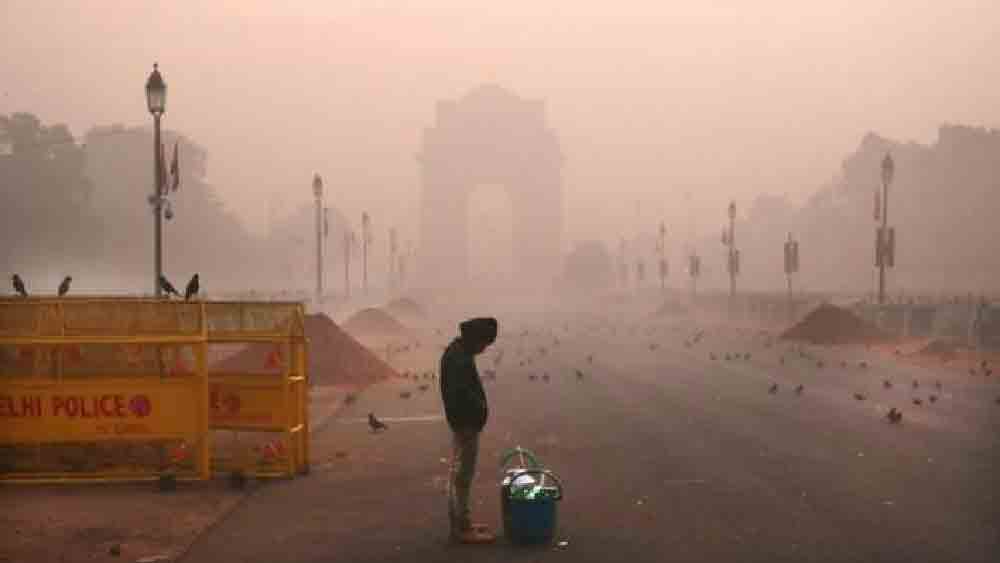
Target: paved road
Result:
[667, 455]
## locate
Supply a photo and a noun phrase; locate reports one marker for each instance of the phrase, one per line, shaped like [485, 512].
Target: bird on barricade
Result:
[192, 288]
[168, 287]
[375, 424]
[64, 286]
[18, 284]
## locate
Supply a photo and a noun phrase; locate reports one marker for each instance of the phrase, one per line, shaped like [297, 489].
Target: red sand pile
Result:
[335, 358]
[828, 324]
[374, 322]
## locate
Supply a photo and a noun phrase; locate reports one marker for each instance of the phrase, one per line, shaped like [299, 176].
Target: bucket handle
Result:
[544, 474]
[521, 453]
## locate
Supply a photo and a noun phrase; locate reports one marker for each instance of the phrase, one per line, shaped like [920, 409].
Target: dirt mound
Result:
[404, 307]
[335, 358]
[374, 322]
[828, 324]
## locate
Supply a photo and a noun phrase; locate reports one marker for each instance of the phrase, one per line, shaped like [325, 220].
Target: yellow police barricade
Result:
[103, 389]
[258, 389]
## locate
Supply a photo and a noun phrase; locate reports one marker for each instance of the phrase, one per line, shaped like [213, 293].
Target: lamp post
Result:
[366, 239]
[885, 239]
[156, 102]
[791, 267]
[661, 248]
[317, 185]
[729, 239]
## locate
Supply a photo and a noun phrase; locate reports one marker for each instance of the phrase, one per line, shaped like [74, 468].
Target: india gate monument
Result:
[490, 136]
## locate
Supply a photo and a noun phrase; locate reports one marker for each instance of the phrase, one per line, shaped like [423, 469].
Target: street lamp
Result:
[366, 239]
[156, 102]
[791, 267]
[317, 185]
[661, 247]
[733, 258]
[885, 238]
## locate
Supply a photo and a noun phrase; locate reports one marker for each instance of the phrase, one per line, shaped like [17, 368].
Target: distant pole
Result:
[733, 260]
[884, 243]
[365, 239]
[318, 194]
[348, 242]
[791, 267]
[661, 247]
[393, 281]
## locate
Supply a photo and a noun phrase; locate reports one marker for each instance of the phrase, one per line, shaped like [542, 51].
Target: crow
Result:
[863, 365]
[887, 384]
[19, 285]
[579, 375]
[894, 416]
[860, 396]
[773, 389]
[917, 401]
[932, 398]
[192, 288]
[799, 389]
[375, 424]
[64, 286]
[405, 394]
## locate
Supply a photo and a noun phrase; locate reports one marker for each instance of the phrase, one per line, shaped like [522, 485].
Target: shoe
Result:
[475, 536]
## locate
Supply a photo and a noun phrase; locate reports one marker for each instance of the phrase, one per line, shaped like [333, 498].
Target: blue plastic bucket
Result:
[531, 518]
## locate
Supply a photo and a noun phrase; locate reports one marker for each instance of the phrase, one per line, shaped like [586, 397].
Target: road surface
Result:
[666, 453]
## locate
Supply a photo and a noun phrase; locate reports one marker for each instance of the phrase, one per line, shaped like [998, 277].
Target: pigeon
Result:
[375, 424]
[972, 371]
[579, 375]
[746, 356]
[711, 356]
[799, 389]
[863, 365]
[887, 384]
[545, 377]
[18, 284]
[843, 363]
[773, 389]
[781, 360]
[590, 359]
[988, 372]
[532, 377]
[917, 401]
[192, 288]
[168, 287]
[932, 398]
[405, 394]
[819, 364]
[64, 286]
[916, 384]
[653, 346]
[727, 357]
[894, 416]
[860, 396]
[937, 385]
[350, 398]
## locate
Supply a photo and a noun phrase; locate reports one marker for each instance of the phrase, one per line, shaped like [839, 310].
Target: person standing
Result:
[466, 411]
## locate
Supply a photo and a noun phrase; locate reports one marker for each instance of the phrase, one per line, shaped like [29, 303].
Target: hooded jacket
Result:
[461, 389]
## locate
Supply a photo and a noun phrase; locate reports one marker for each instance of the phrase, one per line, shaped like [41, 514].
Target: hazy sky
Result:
[650, 99]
